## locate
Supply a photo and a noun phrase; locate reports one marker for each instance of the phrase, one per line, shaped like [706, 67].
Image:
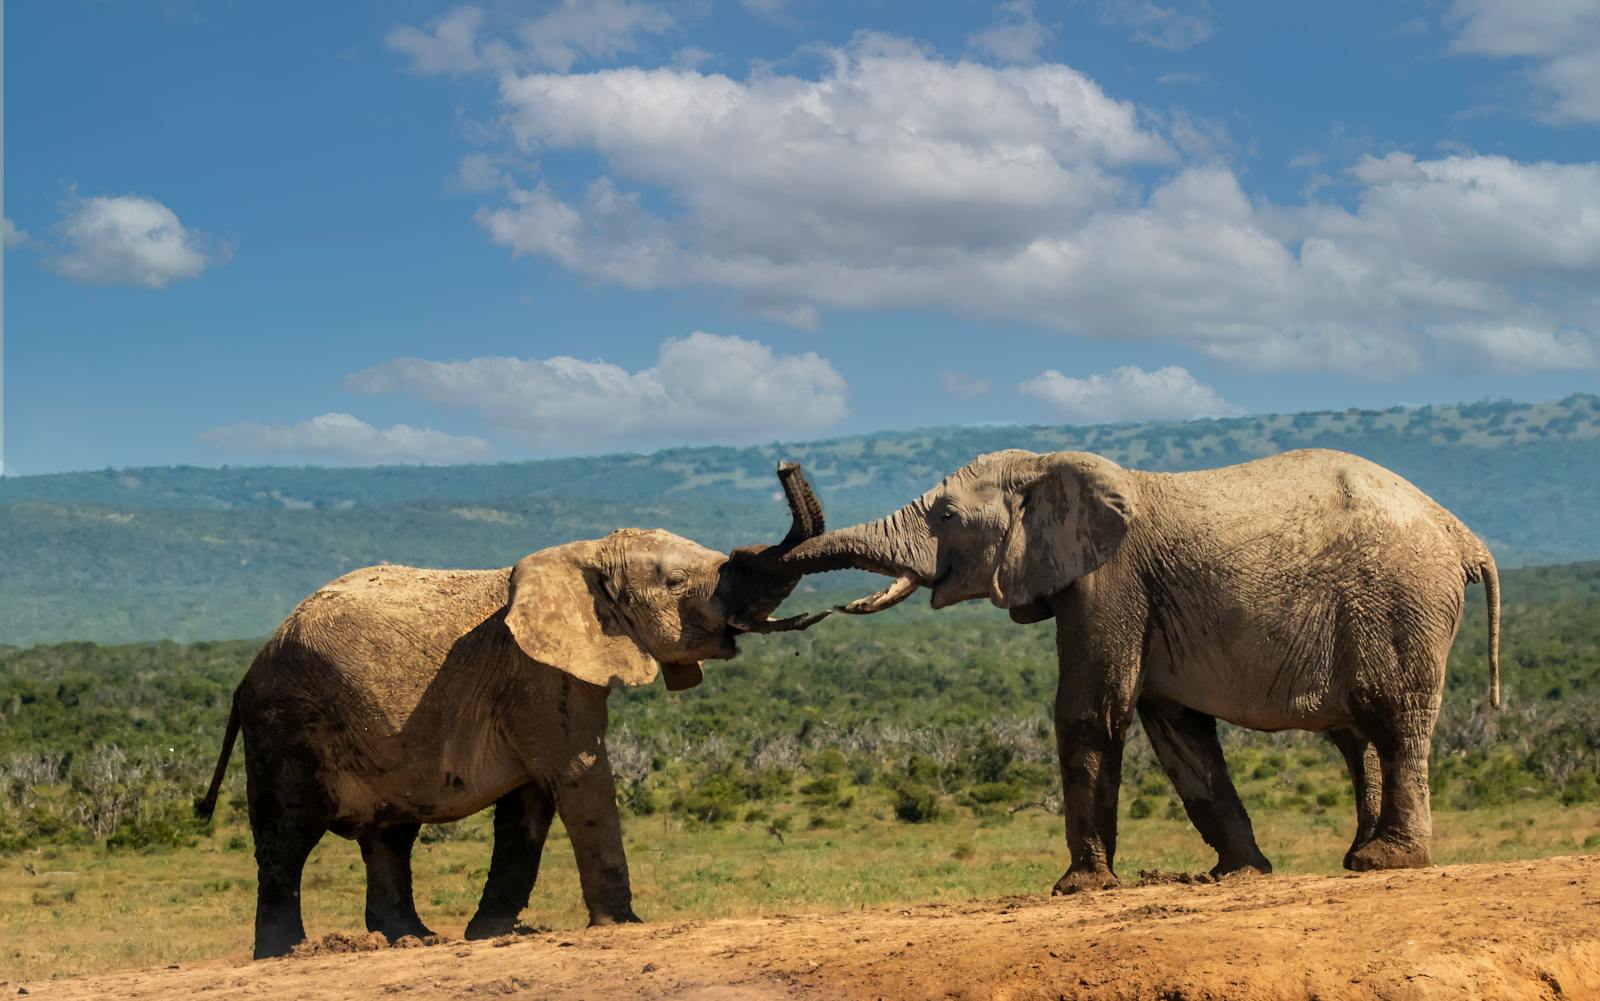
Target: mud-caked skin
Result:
[1310, 590]
[397, 696]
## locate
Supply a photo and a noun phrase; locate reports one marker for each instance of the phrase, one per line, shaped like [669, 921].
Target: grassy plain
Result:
[73, 910]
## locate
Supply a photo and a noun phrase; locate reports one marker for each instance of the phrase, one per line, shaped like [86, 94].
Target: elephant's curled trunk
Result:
[753, 584]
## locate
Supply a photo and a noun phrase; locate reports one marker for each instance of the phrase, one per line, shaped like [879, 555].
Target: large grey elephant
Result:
[396, 696]
[1312, 590]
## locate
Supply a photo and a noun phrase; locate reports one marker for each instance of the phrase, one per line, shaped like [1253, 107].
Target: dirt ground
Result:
[1501, 930]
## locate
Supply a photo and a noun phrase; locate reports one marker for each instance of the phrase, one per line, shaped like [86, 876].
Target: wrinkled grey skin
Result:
[396, 696]
[1311, 590]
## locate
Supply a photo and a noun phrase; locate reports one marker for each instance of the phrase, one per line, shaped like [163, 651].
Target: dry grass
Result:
[69, 911]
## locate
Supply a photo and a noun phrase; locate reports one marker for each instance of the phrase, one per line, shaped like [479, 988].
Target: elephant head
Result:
[618, 610]
[1016, 527]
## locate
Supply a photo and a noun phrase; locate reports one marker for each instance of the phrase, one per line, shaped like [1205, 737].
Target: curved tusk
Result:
[793, 622]
[902, 588]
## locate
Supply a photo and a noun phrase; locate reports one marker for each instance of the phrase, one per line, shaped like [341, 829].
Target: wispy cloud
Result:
[458, 42]
[1016, 36]
[348, 439]
[965, 386]
[1128, 393]
[1172, 26]
[14, 235]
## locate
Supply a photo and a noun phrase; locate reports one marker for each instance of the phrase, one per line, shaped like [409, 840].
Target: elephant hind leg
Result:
[1185, 742]
[1366, 779]
[521, 823]
[1402, 733]
[289, 814]
[390, 906]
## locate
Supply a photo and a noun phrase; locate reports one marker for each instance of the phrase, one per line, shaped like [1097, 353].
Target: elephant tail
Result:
[1484, 570]
[203, 808]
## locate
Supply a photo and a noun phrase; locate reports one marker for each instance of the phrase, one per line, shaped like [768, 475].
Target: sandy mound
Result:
[1503, 930]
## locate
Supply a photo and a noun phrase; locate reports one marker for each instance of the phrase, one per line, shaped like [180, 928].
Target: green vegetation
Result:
[912, 716]
[190, 553]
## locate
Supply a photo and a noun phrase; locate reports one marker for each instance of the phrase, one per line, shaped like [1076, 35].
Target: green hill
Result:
[192, 553]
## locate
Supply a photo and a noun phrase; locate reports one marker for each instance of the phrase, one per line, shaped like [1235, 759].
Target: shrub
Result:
[916, 804]
[992, 792]
[1580, 788]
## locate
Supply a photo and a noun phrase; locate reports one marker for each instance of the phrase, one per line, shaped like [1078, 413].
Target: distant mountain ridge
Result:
[194, 553]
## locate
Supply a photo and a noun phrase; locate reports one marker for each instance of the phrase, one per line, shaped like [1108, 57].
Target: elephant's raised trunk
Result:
[753, 585]
[898, 546]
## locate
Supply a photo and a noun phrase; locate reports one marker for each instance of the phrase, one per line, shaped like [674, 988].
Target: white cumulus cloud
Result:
[893, 178]
[1559, 39]
[130, 240]
[1128, 393]
[344, 438]
[859, 188]
[703, 387]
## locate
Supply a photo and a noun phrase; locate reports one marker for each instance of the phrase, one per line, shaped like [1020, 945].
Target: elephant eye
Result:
[676, 579]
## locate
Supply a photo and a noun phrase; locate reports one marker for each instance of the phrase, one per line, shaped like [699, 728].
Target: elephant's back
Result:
[1327, 508]
[1332, 486]
[379, 637]
[418, 610]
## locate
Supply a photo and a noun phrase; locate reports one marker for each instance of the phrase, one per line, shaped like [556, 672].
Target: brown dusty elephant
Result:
[1311, 590]
[395, 696]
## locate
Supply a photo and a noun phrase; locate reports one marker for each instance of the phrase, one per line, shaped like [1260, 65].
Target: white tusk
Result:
[902, 588]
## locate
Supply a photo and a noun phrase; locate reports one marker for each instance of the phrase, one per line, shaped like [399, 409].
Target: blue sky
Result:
[400, 232]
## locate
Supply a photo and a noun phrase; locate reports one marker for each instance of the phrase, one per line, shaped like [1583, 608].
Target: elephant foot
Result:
[1079, 880]
[626, 917]
[1388, 853]
[275, 946]
[417, 930]
[490, 926]
[1259, 867]
[396, 928]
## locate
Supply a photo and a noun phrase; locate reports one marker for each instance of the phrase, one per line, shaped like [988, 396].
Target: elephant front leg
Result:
[587, 802]
[521, 823]
[1185, 742]
[1094, 703]
[1091, 774]
[1366, 780]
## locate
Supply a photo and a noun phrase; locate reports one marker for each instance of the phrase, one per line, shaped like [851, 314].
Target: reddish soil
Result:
[1501, 930]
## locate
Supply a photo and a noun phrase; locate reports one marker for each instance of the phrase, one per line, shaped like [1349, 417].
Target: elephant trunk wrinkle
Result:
[894, 546]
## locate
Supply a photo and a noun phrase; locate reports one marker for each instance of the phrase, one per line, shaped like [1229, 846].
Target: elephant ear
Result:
[1066, 520]
[563, 612]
